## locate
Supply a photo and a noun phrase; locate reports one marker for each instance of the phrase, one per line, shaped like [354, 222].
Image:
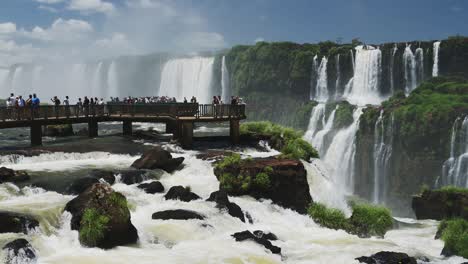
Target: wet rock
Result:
[80, 185]
[386, 257]
[181, 193]
[215, 155]
[58, 130]
[287, 182]
[16, 223]
[247, 235]
[108, 176]
[439, 204]
[19, 251]
[222, 201]
[266, 235]
[152, 187]
[158, 158]
[132, 176]
[102, 218]
[178, 214]
[9, 175]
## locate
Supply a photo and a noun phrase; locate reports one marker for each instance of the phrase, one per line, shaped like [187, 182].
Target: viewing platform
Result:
[178, 117]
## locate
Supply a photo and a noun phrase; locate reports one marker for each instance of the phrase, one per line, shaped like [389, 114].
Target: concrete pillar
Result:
[127, 128]
[36, 134]
[92, 128]
[171, 126]
[234, 131]
[187, 135]
[177, 132]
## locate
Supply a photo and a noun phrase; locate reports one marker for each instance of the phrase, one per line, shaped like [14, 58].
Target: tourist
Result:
[21, 102]
[29, 101]
[12, 99]
[233, 100]
[185, 100]
[66, 102]
[35, 105]
[86, 101]
[101, 102]
[55, 101]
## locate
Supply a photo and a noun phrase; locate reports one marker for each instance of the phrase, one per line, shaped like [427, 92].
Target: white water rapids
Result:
[175, 241]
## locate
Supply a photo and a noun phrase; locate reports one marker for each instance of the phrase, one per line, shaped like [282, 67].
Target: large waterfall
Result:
[321, 89]
[338, 76]
[225, 85]
[313, 77]
[455, 169]
[419, 57]
[409, 63]
[319, 127]
[435, 67]
[392, 63]
[364, 87]
[187, 77]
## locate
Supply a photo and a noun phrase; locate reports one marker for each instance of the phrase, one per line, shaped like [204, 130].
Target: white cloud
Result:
[62, 31]
[50, 1]
[48, 8]
[91, 6]
[7, 28]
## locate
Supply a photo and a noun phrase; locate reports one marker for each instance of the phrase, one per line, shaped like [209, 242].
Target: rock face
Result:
[58, 130]
[439, 205]
[16, 223]
[152, 187]
[247, 235]
[132, 176]
[287, 182]
[181, 193]
[9, 175]
[19, 251]
[158, 158]
[178, 214]
[108, 176]
[80, 185]
[102, 218]
[385, 257]
[222, 201]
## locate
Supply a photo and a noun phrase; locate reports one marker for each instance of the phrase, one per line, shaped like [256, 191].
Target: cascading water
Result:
[419, 57]
[383, 140]
[112, 80]
[316, 121]
[187, 77]
[313, 78]
[455, 169]
[392, 64]
[315, 133]
[321, 89]
[409, 64]
[338, 76]
[435, 51]
[364, 87]
[225, 85]
[352, 59]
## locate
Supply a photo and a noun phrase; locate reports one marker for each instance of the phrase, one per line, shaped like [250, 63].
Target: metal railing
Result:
[173, 110]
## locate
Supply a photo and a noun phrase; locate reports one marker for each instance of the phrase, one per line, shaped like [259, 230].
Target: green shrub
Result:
[299, 149]
[262, 180]
[327, 217]
[370, 220]
[120, 202]
[452, 189]
[455, 236]
[93, 226]
[230, 160]
[232, 183]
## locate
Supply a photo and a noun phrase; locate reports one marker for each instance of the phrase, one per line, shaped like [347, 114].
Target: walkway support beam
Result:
[36, 134]
[234, 132]
[127, 128]
[92, 128]
[187, 135]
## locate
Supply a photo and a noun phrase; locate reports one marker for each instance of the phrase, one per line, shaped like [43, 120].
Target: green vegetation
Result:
[366, 220]
[455, 235]
[452, 189]
[230, 160]
[343, 115]
[284, 139]
[262, 180]
[93, 226]
[120, 202]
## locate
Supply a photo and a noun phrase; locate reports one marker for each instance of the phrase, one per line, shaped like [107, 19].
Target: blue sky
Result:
[53, 29]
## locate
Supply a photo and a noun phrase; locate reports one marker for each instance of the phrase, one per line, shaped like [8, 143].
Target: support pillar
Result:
[36, 134]
[127, 128]
[92, 128]
[171, 126]
[187, 135]
[177, 132]
[234, 131]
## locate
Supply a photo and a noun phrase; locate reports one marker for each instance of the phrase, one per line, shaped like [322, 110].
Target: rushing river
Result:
[197, 241]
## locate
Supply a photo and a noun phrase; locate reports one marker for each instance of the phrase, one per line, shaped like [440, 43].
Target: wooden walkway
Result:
[179, 117]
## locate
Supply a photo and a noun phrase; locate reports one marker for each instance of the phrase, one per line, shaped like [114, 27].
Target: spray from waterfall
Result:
[321, 90]
[409, 64]
[225, 85]
[455, 169]
[112, 80]
[383, 140]
[435, 67]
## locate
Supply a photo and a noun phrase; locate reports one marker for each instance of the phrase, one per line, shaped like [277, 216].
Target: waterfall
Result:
[338, 76]
[392, 63]
[341, 153]
[186, 78]
[315, 133]
[97, 80]
[409, 64]
[419, 57]
[112, 80]
[364, 87]
[455, 169]
[435, 67]
[225, 88]
[382, 154]
[77, 81]
[352, 59]
[313, 76]
[321, 90]
[316, 121]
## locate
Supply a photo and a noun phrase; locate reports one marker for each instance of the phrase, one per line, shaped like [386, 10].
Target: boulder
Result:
[58, 130]
[108, 176]
[386, 257]
[215, 155]
[247, 235]
[439, 204]
[158, 158]
[286, 185]
[222, 201]
[181, 193]
[152, 187]
[19, 251]
[266, 235]
[16, 223]
[178, 214]
[80, 185]
[9, 175]
[102, 218]
[132, 176]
